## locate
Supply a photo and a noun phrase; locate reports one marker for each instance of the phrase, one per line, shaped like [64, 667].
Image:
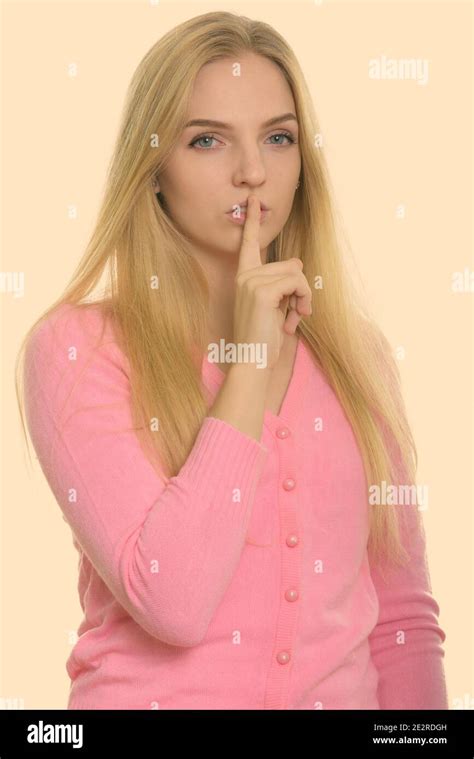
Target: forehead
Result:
[239, 88]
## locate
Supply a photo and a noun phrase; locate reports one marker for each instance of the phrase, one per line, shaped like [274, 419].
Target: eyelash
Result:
[277, 134]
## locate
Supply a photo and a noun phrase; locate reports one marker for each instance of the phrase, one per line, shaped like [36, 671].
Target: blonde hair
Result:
[135, 240]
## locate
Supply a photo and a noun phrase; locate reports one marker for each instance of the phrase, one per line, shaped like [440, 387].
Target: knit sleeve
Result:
[406, 643]
[166, 548]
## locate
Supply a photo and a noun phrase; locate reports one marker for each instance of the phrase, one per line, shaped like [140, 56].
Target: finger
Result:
[292, 322]
[250, 256]
[278, 268]
[284, 305]
[296, 286]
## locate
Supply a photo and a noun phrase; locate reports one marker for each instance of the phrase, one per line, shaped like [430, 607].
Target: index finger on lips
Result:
[249, 256]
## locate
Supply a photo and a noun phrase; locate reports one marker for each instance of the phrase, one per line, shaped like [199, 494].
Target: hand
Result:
[264, 292]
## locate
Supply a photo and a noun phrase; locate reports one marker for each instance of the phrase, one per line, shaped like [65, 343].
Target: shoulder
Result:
[83, 321]
[71, 327]
[69, 345]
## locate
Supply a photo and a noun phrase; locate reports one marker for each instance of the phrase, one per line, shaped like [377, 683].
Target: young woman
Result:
[237, 546]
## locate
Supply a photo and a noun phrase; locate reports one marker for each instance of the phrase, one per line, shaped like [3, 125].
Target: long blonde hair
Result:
[135, 241]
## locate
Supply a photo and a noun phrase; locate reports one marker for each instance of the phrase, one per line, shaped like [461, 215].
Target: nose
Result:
[250, 168]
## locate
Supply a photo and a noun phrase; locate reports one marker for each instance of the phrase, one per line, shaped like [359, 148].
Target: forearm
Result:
[241, 399]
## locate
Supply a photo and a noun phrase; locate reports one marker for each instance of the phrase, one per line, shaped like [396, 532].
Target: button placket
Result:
[278, 679]
[287, 548]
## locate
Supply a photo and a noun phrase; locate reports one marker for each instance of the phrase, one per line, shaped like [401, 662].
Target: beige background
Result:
[387, 142]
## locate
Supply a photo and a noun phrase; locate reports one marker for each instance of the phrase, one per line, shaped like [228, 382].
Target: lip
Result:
[241, 219]
[263, 207]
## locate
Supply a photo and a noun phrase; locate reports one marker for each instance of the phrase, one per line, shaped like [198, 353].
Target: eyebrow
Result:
[222, 125]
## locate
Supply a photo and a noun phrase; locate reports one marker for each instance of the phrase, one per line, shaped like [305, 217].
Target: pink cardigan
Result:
[244, 581]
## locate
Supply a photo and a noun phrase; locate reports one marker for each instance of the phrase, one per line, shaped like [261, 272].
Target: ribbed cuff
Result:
[221, 456]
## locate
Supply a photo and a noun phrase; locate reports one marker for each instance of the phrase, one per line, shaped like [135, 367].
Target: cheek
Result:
[198, 212]
[281, 214]
[196, 190]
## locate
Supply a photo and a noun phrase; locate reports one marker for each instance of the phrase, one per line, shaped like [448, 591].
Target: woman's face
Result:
[204, 181]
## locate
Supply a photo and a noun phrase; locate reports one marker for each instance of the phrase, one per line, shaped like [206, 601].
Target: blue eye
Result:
[196, 140]
[203, 137]
[283, 134]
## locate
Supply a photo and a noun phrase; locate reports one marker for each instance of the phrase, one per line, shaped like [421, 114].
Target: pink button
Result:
[282, 432]
[289, 483]
[291, 595]
[291, 540]
[283, 657]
